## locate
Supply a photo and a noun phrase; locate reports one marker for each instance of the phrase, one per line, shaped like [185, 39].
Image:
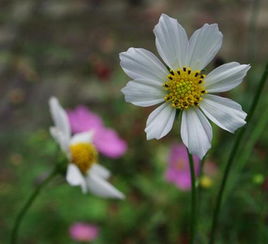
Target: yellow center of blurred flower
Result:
[83, 155]
[184, 88]
[206, 181]
[180, 165]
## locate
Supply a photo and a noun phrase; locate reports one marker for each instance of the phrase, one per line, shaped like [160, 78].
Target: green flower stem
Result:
[233, 154]
[193, 200]
[27, 205]
[199, 187]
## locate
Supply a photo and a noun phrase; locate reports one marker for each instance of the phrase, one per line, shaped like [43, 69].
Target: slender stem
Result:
[193, 200]
[199, 187]
[233, 154]
[244, 153]
[27, 205]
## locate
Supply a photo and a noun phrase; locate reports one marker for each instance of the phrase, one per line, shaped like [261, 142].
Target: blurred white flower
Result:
[183, 86]
[83, 168]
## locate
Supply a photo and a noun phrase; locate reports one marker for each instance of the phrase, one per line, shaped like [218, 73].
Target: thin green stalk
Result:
[27, 205]
[247, 150]
[254, 136]
[200, 192]
[199, 187]
[233, 154]
[193, 200]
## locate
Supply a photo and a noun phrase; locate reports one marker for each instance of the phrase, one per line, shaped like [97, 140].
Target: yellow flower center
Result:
[206, 181]
[184, 88]
[180, 165]
[83, 155]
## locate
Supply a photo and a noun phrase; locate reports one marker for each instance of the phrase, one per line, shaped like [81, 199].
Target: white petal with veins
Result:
[139, 63]
[204, 44]
[143, 93]
[196, 132]
[224, 112]
[160, 121]
[171, 42]
[226, 77]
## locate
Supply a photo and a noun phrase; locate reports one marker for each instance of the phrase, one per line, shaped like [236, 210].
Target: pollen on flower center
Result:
[83, 155]
[184, 88]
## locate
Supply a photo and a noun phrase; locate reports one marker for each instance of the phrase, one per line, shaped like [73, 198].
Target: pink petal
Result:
[83, 232]
[181, 180]
[109, 143]
[178, 171]
[106, 140]
[184, 182]
[178, 152]
[82, 119]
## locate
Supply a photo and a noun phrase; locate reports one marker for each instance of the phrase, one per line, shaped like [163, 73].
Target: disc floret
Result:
[184, 88]
[83, 155]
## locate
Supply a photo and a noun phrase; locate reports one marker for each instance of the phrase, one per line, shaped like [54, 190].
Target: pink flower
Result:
[81, 120]
[106, 140]
[83, 232]
[178, 171]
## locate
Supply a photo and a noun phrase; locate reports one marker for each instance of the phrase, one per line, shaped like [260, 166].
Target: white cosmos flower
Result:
[83, 168]
[183, 86]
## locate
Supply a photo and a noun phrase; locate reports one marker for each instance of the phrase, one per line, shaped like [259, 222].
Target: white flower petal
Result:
[204, 44]
[224, 112]
[102, 188]
[196, 132]
[143, 93]
[101, 171]
[75, 178]
[59, 117]
[139, 63]
[61, 139]
[226, 77]
[160, 121]
[85, 137]
[171, 42]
